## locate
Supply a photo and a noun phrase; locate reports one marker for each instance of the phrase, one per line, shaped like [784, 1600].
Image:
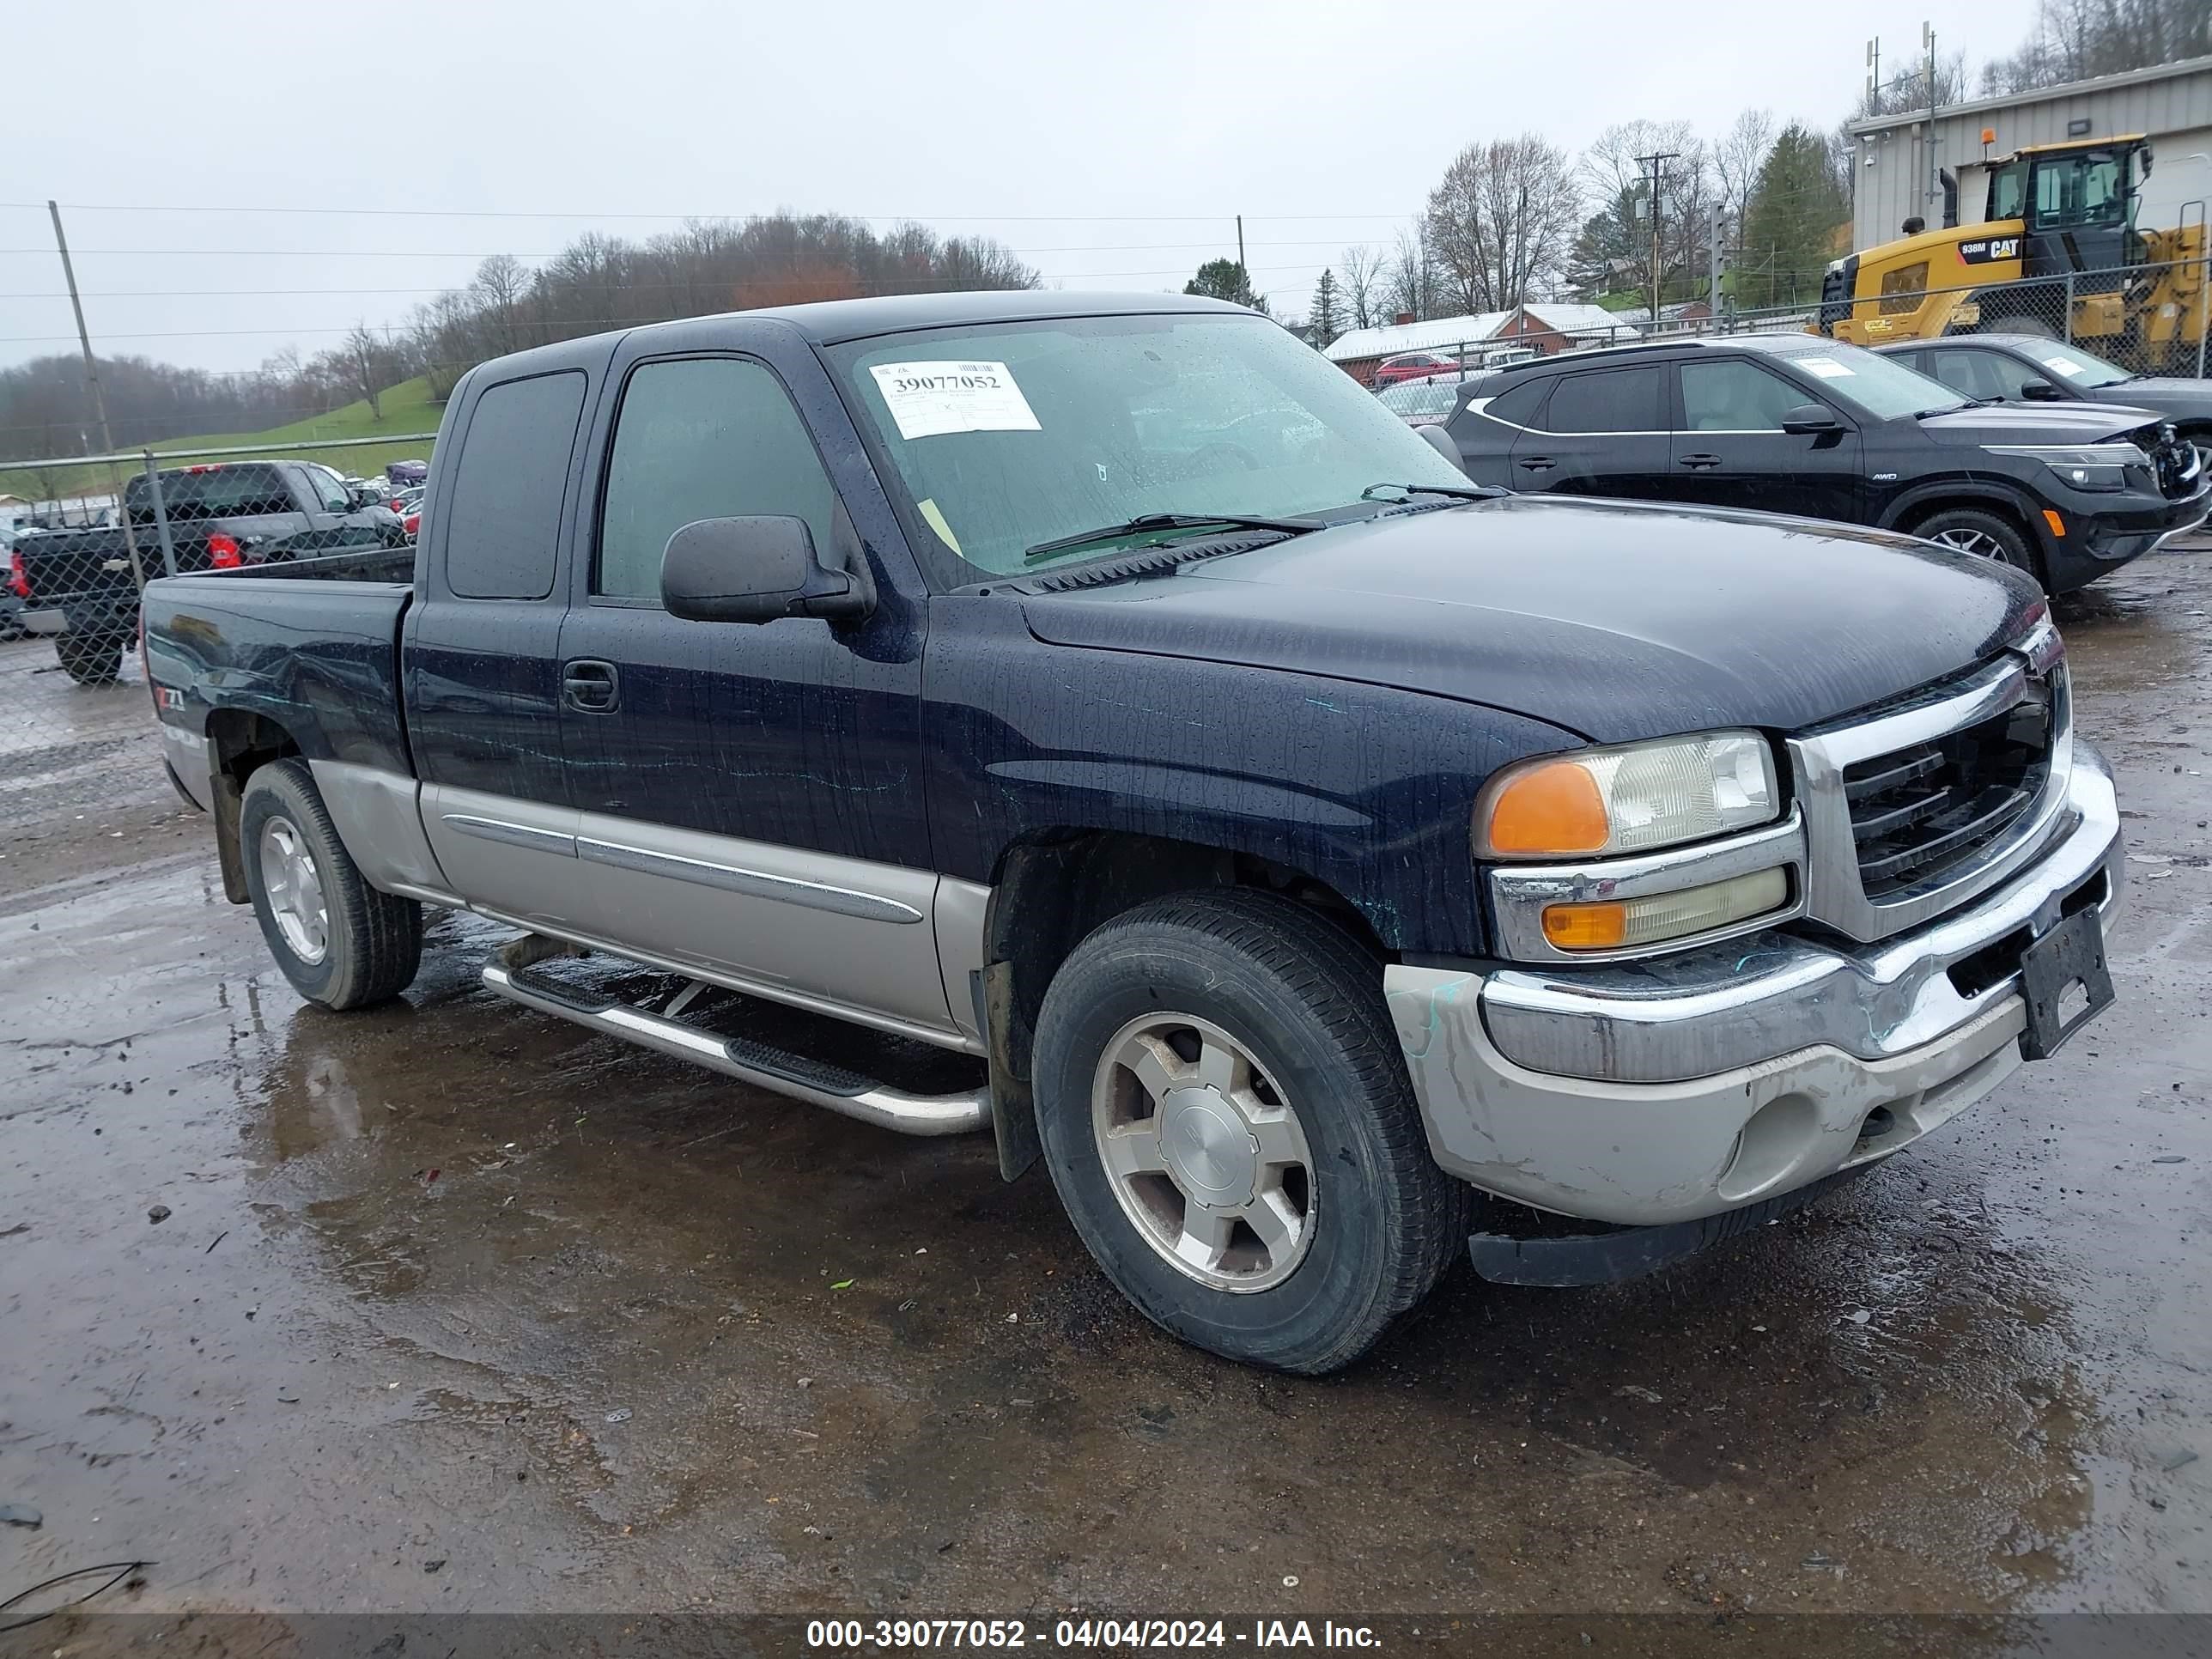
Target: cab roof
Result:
[830, 322]
[2076, 144]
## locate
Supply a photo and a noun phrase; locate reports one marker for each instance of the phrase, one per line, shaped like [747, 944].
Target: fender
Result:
[1965, 490]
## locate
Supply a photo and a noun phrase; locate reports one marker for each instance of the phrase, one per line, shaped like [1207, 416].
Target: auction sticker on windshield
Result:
[930, 399]
[1826, 368]
[2059, 365]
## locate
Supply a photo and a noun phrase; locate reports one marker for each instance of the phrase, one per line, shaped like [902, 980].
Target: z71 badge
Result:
[1990, 248]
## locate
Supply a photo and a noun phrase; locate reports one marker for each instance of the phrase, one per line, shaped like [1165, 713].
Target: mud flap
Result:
[229, 802]
[1013, 1108]
[1565, 1260]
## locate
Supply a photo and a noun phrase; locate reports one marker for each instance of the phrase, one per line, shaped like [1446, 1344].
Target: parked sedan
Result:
[1414, 366]
[2022, 368]
[1794, 423]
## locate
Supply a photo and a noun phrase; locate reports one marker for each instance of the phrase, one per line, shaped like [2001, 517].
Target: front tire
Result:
[1228, 1120]
[95, 659]
[1968, 531]
[340, 941]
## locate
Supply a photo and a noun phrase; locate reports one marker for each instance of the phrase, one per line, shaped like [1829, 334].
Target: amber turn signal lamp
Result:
[1550, 809]
[1586, 926]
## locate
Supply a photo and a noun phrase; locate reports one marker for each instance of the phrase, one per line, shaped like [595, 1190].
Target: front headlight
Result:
[1634, 798]
[2084, 466]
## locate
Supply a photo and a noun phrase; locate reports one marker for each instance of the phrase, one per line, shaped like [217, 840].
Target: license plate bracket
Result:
[2070, 954]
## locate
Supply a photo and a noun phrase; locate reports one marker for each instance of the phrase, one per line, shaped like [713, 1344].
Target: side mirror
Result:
[1809, 420]
[1443, 443]
[2041, 392]
[756, 570]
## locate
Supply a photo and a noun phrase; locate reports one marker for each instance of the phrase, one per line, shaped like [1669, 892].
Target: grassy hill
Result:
[406, 408]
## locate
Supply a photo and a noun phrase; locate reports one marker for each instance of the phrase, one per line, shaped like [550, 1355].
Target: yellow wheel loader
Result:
[2059, 234]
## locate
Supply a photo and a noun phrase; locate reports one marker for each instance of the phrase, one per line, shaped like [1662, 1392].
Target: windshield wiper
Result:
[1458, 492]
[1149, 521]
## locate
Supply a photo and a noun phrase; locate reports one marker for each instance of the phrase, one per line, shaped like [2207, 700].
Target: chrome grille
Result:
[1917, 812]
[1915, 807]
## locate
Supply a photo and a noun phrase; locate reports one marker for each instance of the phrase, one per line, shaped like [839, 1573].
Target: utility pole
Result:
[1713, 265]
[1657, 163]
[91, 380]
[1927, 40]
[1243, 270]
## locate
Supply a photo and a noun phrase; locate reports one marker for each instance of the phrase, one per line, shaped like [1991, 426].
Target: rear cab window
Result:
[503, 523]
[243, 491]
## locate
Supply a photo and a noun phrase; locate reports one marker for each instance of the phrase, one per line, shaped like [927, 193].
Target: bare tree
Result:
[1909, 88]
[1362, 280]
[1738, 154]
[366, 362]
[501, 281]
[1501, 221]
[1409, 280]
[1615, 173]
[2075, 39]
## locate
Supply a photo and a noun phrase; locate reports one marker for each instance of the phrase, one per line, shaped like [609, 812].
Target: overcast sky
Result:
[1110, 145]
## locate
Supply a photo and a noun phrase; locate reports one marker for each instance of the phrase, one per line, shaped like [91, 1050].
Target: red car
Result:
[1413, 366]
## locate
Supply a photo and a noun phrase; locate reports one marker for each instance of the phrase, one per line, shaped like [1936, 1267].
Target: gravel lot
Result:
[448, 1283]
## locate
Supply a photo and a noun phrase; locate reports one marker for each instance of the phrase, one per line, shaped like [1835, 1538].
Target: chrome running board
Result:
[756, 1063]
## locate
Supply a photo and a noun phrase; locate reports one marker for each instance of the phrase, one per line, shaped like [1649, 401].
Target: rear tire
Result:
[94, 660]
[1966, 530]
[1236, 1045]
[340, 941]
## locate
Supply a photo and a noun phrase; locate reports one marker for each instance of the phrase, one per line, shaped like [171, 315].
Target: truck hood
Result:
[2038, 423]
[1616, 621]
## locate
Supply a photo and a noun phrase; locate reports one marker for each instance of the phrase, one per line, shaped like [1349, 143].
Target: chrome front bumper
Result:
[1679, 1087]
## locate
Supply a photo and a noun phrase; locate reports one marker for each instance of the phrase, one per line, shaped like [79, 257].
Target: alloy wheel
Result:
[1204, 1155]
[294, 888]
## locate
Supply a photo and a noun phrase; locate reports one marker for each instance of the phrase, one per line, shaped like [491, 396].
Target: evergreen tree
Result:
[1790, 222]
[1225, 279]
[1325, 321]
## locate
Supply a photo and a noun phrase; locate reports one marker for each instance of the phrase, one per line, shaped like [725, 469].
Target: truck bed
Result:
[313, 644]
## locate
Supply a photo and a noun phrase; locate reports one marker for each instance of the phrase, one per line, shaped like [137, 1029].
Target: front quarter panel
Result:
[1367, 788]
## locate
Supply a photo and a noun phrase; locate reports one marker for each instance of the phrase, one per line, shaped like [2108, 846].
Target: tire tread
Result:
[1338, 981]
[384, 931]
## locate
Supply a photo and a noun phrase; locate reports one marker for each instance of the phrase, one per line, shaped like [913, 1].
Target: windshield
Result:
[1880, 386]
[1419, 397]
[2076, 368]
[1011, 434]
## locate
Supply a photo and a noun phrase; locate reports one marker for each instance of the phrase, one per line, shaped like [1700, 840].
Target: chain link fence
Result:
[81, 770]
[2147, 318]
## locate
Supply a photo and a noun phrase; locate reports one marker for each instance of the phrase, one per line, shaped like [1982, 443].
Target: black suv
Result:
[1794, 423]
[2028, 369]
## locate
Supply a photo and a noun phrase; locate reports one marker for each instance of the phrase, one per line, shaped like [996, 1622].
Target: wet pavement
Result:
[454, 1307]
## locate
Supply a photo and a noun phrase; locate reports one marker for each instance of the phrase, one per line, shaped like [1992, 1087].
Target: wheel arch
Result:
[1053, 887]
[239, 742]
[1975, 495]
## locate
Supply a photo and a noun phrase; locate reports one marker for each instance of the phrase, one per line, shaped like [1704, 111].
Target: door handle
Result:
[1701, 463]
[1535, 464]
[590, 688]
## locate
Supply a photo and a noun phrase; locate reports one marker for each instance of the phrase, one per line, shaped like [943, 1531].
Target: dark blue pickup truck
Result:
[1284, 840]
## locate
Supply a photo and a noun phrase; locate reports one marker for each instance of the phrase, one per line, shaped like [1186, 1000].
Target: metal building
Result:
[1894, 176]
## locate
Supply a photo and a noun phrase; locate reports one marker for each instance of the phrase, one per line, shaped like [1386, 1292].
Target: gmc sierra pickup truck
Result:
[1300, 840]
[79, 586]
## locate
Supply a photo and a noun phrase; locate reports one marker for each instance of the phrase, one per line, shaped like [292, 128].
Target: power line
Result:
[234, 252]
[721, 216]
[890, 286]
